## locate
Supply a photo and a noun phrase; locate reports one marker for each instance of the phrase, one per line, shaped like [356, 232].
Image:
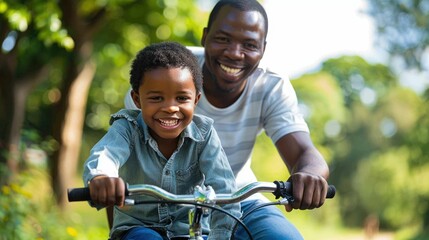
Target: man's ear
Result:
[265, 45]
[136, 98]
[203, 38]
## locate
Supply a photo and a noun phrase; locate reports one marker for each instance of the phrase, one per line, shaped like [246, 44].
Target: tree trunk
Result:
[70, 114]
[13, 96]
[7, 109]
[68, 132]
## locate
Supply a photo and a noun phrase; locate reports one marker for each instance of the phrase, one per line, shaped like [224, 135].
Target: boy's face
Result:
[167, 98]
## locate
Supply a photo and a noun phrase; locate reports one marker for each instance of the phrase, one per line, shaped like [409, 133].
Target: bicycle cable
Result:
[238, 220]
[252, 210]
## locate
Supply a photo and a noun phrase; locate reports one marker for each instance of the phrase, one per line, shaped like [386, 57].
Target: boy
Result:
[163, 144]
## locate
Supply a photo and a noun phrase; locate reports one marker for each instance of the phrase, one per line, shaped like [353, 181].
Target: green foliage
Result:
[43, 16]
[390, 185]
[418, 138]
[14, 206]
[320, 98]
[27, 210]
[322, 94]
[357, 78]
[374, 161]
[403, 28]
[266, 162]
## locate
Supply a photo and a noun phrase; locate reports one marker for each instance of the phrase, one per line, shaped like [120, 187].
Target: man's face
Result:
[234, 46]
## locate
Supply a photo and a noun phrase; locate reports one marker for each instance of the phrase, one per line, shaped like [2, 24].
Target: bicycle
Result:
[204, 198]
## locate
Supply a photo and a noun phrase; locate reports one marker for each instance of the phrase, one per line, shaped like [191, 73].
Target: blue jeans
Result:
[143, 233]
[266, 223]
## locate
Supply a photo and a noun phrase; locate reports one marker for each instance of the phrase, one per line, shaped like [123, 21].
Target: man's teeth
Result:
[229, 70]
[168, 122]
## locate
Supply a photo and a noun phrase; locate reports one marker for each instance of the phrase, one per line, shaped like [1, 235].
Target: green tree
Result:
[375, 156]
[26, 31]
[322, 103]
[403, 28]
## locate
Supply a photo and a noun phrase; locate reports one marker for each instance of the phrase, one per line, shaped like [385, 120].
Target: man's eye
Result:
[155, 99]
[250, 46]
[222, 39]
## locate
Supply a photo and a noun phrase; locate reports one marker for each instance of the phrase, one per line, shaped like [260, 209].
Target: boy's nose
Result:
[170, 107]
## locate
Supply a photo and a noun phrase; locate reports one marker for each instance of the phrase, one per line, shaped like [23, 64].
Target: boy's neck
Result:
[167, 146]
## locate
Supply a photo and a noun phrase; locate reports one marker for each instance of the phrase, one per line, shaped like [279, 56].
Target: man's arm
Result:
[308, 169]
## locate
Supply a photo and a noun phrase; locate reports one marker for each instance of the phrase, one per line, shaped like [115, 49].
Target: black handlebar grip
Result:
[285, 189]
[78, 194]
[331, 191]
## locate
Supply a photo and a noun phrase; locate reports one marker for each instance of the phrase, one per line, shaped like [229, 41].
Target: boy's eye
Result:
[183, 99]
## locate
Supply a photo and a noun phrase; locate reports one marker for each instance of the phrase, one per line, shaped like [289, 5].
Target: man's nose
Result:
[234, 51]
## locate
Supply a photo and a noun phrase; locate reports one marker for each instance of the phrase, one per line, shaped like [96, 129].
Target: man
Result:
[243, 100]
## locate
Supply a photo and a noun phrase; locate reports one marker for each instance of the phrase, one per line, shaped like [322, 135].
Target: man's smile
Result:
[229, 69]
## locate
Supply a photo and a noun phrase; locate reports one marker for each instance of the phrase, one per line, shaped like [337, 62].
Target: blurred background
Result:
[360, 69]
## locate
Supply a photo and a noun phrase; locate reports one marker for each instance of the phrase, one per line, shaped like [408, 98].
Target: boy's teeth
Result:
[168, 122]
[229, 70]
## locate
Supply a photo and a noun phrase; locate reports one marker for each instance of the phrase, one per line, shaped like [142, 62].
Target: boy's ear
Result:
[197, 98]
[136, 98]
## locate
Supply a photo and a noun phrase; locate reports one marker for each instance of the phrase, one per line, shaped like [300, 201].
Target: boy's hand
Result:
[107, 191]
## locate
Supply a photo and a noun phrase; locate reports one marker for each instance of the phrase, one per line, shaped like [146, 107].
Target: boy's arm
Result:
[102, 166]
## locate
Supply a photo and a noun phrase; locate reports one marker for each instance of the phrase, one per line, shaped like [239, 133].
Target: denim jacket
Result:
[128, 151]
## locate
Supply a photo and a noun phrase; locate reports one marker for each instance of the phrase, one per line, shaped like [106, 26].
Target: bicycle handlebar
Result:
[278, 188]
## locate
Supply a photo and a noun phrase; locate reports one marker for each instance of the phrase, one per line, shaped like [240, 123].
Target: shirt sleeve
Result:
[108, 154]
[281, 112]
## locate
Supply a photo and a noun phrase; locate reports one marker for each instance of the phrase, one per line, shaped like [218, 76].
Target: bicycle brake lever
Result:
[286, 201]
[283, 189]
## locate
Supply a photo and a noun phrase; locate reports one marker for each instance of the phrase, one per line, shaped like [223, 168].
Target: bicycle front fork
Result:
[195, 229]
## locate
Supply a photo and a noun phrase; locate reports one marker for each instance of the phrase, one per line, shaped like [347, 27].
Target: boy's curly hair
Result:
[164, 55]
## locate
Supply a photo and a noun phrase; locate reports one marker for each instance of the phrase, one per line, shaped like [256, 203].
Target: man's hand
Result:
[309, 191]
[107, 191]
